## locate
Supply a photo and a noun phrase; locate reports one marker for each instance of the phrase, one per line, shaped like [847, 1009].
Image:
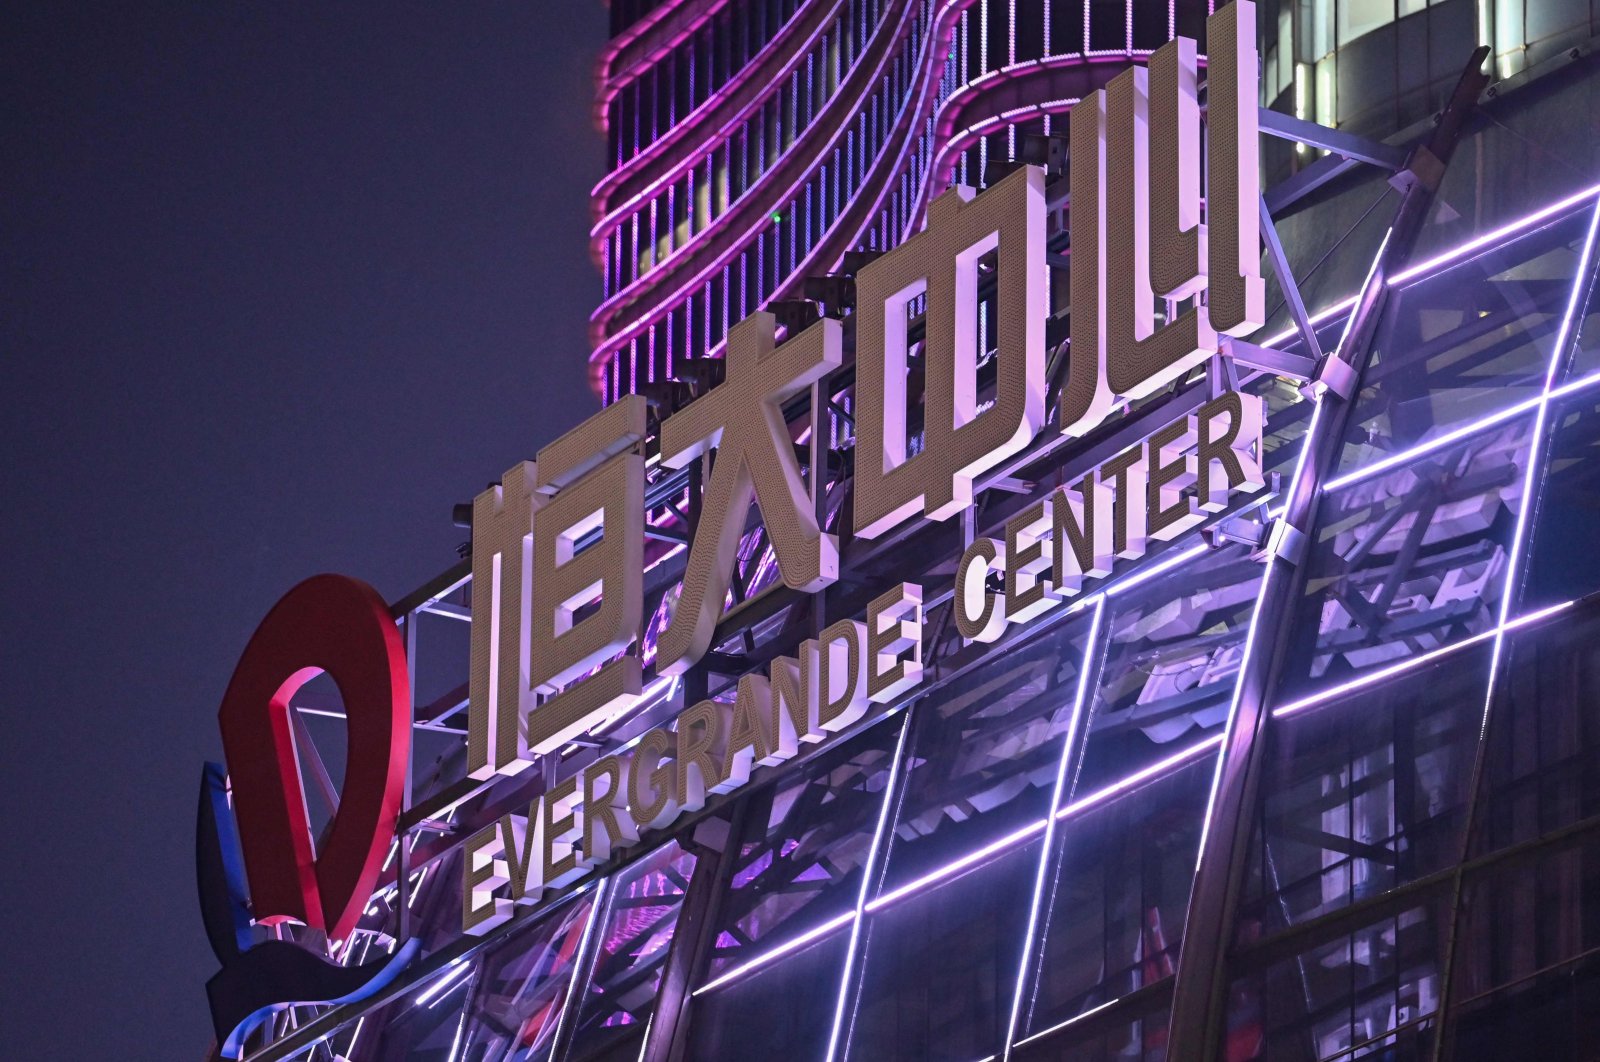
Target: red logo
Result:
[339, 625]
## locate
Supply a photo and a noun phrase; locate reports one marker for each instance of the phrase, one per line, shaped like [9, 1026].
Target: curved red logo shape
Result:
[339, 625]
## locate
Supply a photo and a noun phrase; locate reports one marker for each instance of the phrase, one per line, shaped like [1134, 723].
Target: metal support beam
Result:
[1346, 145]
[1200, 990]
[1277, 362]
[1286, 282]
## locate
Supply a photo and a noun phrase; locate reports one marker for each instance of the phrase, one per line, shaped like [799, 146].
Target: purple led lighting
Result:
[606, 345]
[597, 905]
[1144, 774]
[867, 870]
[956, 866]
[792, 944]
[1069, 742]
[1530, 476]
[1403, 666]
[755, 65]
[1070, 1021]
[1496, 236]
[1438, 442]
[436, 991]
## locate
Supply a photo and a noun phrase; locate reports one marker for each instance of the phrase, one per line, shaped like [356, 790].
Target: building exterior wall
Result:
[1003, 865]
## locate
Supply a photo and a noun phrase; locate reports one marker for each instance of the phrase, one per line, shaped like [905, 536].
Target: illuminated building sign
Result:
[1157, 274]
[551, 634]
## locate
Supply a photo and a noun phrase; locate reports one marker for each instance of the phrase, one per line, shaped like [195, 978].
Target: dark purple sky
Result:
[280, 285]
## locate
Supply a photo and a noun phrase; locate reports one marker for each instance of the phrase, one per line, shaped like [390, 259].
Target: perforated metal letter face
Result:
[1138, 244]
[943, 262]
[742, 418]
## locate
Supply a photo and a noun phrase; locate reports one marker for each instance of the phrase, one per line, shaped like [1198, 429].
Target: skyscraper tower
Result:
[753, 143]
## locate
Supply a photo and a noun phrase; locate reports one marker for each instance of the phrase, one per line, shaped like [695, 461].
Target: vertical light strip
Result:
[867, 871]
[1530, 476]
[1087, 669]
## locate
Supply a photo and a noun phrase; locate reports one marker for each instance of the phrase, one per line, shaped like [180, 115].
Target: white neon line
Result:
[1530, 475]
[1325, 314]
[451, 974]
[1582, 383]
[1438, 442]
[866, 884]
[792, 944]
[1165, 564]
[460, 1028]
[1070, 1021]
[1143, 774]
[1494, 236]
[1444, 258]
[955, 866]
[1086, 669]
[1401, 667]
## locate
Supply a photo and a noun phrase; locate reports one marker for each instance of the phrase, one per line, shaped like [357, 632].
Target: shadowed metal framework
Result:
[1319, 780]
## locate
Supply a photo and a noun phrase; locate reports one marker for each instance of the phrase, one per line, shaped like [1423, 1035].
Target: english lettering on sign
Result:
[1162, 264]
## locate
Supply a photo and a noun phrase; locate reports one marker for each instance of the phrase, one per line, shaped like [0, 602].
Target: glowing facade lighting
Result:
[889, 792]
[1069, 743]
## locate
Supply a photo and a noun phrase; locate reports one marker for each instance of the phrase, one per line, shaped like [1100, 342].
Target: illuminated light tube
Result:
[867, 870]
[1581, 281]
[1162, 566]
[1144, 774]
[695, 151]
[1401, 667]
[1070, 1021]
[790, 945]
[1495, 236]
[1086, 670]
[756, 192]
[1438, 442]
[1444, 258]
[452, 974]
[461, 1027]
[607, 346]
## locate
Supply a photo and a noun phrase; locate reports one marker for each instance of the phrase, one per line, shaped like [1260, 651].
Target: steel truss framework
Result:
[1006, 751]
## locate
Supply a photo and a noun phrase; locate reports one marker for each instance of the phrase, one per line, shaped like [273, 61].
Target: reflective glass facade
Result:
[1003, 863]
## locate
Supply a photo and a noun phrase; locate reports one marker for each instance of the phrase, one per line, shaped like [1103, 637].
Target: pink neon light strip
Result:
[607, 346]
[693, 154]
[737, 241]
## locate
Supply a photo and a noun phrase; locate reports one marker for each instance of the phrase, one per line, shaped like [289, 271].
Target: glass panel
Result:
[1586, 359]
[1171, 653]
[1132, 1032]
[1368, 992]
[807, 840]
[421, 1027]
[1411, 559]
[1543, 758]
[984, 752]
[781, 1010]
[1465, 342]
[1535, 149]
[941, 966]
[1562, 561]
[1363, 793]
[1115, 914]
[1527, 979]
[523, 986]
[635, 935]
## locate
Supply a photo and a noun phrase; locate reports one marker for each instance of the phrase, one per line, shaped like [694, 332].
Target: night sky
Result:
[281, 285]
